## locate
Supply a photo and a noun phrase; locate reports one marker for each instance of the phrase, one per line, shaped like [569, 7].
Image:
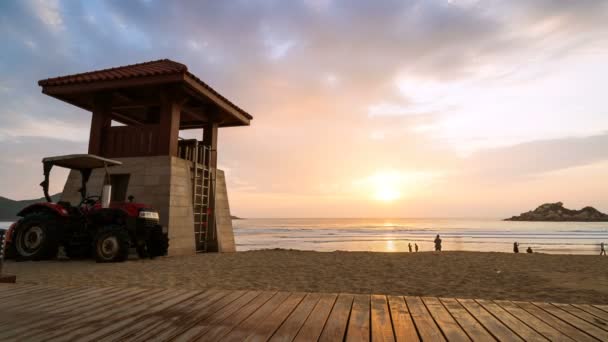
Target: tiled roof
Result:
[146, 69]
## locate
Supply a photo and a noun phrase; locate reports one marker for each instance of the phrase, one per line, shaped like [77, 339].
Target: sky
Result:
[430, 108]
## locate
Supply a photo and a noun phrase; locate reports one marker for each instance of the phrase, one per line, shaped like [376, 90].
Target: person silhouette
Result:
[409, 245]
[416, 247]
[529, 250]
[437, 243]
[515, 247]
[602, 249]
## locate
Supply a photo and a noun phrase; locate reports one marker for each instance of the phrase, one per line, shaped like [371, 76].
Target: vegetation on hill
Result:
[557, 212]
[9, 208]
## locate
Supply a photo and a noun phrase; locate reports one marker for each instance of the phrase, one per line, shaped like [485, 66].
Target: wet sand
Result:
[535, 277]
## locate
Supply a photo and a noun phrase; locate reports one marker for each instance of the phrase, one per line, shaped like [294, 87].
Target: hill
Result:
[9, 208]
[557, 212]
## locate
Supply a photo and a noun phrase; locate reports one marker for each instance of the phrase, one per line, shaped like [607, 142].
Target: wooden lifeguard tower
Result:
[138, 111]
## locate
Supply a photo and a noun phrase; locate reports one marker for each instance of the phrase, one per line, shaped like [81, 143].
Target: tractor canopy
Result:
[84, 163]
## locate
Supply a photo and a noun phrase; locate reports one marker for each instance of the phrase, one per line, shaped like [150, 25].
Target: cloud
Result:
[339, 89]
[49, 12]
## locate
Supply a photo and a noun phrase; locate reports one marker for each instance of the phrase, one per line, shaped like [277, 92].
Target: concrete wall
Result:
[223, 220]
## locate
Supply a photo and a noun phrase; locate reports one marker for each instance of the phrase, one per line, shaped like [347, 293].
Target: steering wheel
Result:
[90, 200]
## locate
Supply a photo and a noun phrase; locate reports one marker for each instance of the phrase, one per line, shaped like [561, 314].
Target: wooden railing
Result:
[130, 141]
[193, 150]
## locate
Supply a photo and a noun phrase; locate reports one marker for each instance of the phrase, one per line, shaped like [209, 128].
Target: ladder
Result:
[201, 197]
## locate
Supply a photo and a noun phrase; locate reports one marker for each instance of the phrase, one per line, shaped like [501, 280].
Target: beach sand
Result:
[536, 277]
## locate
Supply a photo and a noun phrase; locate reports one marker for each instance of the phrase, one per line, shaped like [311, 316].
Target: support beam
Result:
[100, 121]
[210, 139]
[170, 109]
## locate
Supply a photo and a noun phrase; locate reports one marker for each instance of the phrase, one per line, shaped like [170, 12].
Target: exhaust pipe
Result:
[106, 195]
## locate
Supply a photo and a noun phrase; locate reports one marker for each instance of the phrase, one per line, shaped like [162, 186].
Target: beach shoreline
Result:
[486, 275]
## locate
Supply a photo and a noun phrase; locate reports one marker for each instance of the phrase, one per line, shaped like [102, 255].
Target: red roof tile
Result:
[146, 69]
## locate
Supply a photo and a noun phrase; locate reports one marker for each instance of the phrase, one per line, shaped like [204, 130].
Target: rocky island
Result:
[557, 212]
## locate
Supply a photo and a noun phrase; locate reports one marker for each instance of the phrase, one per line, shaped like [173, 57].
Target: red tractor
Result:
[94, 227]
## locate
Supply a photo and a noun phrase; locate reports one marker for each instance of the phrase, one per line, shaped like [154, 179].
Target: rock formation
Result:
[557, 212]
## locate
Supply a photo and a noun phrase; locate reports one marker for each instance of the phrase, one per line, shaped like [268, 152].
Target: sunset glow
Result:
[386, 186]
[390, 109]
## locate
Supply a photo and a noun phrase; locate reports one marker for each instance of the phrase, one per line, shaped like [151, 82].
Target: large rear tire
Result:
[111, 244]
[35, 238]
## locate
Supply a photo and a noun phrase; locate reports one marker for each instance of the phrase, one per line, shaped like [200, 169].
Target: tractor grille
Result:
[146, 223]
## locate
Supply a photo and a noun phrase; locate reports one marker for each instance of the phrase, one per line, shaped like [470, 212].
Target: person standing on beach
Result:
[515, 247]
[416, 247]
[438, 243]
[409, 245]
[602, 249]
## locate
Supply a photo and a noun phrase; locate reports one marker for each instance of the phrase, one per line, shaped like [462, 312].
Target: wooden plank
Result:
[36, 324]
[381, 325]
[84, 328]
[59, 318]
[216, 319]
[312, 328]
[403, 325]
[241, 331]
[593, 310]
[121, 322]
[65, 299]
[10, 290]
[555, 322]
[358, 325]
[29, 315]
[335, 327]
[292, 325]
[584, 315]
[494, 326]
[448, 325]
[602, 307]
[183, 313]
[214, 333]
[427, 329]
[41, 296]
[511, 322]
[575, 321]
[468, 323]
[264, 330]
[533, 322]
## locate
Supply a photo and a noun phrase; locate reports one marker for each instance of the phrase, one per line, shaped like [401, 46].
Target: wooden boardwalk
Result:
[41, 313]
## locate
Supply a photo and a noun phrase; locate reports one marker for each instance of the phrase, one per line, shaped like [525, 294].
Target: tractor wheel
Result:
[158, 244]
[36, 237]
[111, 244]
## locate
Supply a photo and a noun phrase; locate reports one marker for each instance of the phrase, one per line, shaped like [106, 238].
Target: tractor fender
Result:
[44, 206]
[8, 235]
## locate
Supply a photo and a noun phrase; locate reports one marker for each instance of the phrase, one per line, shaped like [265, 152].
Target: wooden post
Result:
[100, 121]
[210, 139]
[170, 108]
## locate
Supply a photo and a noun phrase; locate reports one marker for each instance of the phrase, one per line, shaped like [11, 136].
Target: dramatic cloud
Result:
[439, 95]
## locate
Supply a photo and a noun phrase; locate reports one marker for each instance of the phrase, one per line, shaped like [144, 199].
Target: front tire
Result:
[158, 244]
[35, 237]
[111, 244]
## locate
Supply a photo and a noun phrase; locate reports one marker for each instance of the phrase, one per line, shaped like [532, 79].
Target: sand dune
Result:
[558, 278]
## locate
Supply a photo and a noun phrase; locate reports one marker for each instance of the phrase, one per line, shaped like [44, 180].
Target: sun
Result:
[385, 186]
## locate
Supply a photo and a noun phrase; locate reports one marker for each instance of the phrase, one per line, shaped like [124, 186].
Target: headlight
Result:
[150, 215]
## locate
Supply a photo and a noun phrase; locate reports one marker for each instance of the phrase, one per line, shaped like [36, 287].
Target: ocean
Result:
[394, 235]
